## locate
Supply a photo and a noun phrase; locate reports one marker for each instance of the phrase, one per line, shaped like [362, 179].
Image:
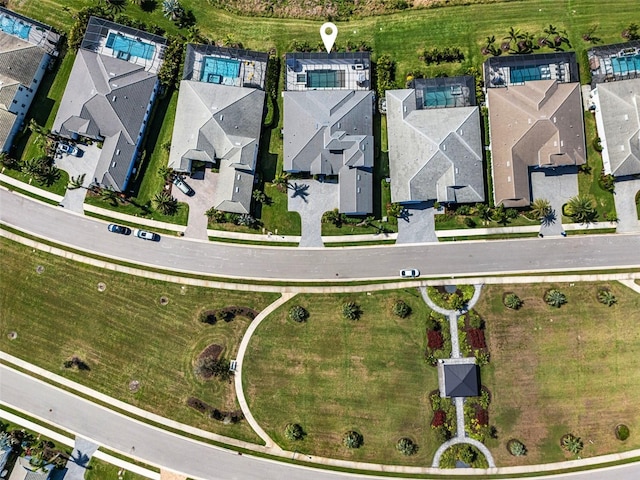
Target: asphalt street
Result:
[161, 448]
[299, 264]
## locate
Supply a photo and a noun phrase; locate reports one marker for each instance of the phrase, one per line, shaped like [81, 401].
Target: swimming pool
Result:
[322, 79]
[128, 47]
[14, 27]
[524, 74]
[624, 65]
[441, 96]
[215, 69]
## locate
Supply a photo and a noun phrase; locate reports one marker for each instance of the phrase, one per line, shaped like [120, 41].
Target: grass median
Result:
[123, 333]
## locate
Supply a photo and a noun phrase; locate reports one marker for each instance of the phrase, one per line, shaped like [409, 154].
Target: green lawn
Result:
[123, 333]
[58, 187]
[553, 371]
[100, 470]
[276, 216]
[589, 183]
[331, 375]
[140, 210]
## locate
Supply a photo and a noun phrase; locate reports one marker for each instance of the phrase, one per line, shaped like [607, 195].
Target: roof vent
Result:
[554, 119]
[118, 152]
[238, 177]
[626, 117]
[113, 99]
[509, 178]
[113, 164]
[237, 189]
[339, 124]
[358, 190]
[221, 117]
[358, 177]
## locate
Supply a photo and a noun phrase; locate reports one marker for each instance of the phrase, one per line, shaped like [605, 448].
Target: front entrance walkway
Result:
[311, 199]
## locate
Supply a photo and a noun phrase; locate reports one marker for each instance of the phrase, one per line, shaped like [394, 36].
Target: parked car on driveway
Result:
[68, 149]
[409, 273]
[183, 187]
[146, 235]
[119, 229]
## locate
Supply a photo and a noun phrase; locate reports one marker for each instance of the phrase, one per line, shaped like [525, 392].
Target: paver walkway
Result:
[82, 452]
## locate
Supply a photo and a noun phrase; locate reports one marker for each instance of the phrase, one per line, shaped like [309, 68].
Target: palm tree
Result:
[351, 311]
[215, 215]
[551, 31]
[115, 6]
[8, 161]
[484, 212]
[172, 9]
[34, 127]
[281, 180]
[165, 203]
[500, 215]
[34, 167]
[581, 209]
[76, 182]
[555, 298]
[109, 195]
[259, 196]
[513, 35]
[512, 301]
[49, 175]
[540, 208]
[607, 298]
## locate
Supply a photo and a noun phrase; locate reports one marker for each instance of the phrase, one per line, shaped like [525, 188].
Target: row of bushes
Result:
[221, 415]
[555, 298]
[441, 55]
[226, 314]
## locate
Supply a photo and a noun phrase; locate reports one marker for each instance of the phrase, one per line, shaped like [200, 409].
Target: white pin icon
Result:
[328, 32]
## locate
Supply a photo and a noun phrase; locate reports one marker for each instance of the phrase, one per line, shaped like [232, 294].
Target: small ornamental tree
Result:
[298, 314]
[517, 448]
[555, 298]
[607, 298]
[512, 301]
[351, 311]
[406, 446]
[352, 439]
[572, 444]
[293, 432]
[401, 309]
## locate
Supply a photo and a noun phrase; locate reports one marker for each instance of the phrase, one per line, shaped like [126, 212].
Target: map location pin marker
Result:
[328, 32]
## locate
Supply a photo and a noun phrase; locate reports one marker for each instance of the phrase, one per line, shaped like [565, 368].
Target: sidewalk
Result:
[276, 239]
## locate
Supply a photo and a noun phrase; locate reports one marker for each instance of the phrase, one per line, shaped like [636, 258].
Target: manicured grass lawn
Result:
[553, 371]
[123, 333]
[276, 216]
[180, 218]
[331, 375]
[457, 222]
[99, 470]
[58, 187]
[589, 183]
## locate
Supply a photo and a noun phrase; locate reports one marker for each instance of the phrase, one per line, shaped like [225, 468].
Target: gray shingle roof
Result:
[434, 154]
[461, 380]
[106, 97]
[620, 125]
[330, 133]
[219, 122]
[19, 60]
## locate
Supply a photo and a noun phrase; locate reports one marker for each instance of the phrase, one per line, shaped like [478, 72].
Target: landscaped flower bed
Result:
[443, 422]
[438, 338]
[472, 337]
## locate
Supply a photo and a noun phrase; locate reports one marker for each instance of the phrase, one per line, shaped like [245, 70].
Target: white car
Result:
[145, 235]
[410, 273]
[68, 149]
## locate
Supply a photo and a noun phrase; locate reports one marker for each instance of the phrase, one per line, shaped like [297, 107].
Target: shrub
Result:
[512, 301]
[385, 74]
[516, 448]
[622, 432]
[482, 357]
[298, 314]
[475, 337]
[435, 340]
[401, 309]
[474, 320]
[555, 298]
[442, 434]
[352, 439]
[572, 444]
[482, 417]
[293, 432]
[456, 302]
[208, 316]
[469, 222]
[351, 311]
[608, 182]
[607, 298]
[406, 446]
[207, 367]
[432, 323]
[439, 418]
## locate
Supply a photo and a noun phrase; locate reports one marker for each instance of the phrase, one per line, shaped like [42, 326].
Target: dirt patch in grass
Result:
[574, 369]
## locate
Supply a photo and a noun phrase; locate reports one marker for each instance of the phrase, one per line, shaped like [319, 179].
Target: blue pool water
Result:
[128, 47]
[624, 65]
[322, 79]
[439, 97]
[523, 74]
[215, 69]
[14, 27]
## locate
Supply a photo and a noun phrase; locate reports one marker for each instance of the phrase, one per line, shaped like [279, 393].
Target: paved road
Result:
[243, 261]
[165, 449]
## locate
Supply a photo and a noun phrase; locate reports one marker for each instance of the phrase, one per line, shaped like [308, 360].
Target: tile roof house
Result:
[538, 124]
[110, 94]
[329, 132]
[618, 121]
[23, 470]
[26, 49]
[220, 123]
[434, 153]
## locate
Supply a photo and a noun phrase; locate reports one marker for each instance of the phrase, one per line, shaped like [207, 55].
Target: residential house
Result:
[27, 48]
[218, 120]
[328, 124]
[109, 96]
[23, 470]
[435, 146]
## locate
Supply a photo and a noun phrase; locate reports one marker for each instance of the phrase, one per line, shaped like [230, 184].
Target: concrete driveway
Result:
[204, 186]
[417, 225]
[311, 199]
[75, 166]
[557, 185]
[625, 198]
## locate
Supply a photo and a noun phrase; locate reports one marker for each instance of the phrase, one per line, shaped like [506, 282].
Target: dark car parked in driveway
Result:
[146, 235]
[119, 229]
[183, 186]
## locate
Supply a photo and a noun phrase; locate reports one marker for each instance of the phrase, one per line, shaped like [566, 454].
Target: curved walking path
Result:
[461, 435]
[244, 406]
